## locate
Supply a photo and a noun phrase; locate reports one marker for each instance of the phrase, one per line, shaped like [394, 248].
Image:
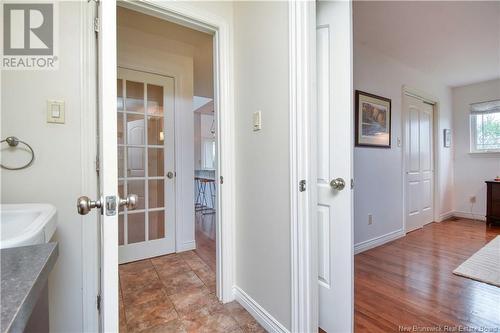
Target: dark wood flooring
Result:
[409, 282]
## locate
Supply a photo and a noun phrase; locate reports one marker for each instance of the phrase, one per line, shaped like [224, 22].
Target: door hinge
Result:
[302, 185]
[97, 24]
[221, 180]
[97, 165]
[98, 302]
[352, 183]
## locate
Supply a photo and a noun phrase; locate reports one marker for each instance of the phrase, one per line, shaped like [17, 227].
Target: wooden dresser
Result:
[492, 202]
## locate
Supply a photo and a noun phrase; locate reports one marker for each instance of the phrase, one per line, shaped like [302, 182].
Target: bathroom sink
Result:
[26, 224]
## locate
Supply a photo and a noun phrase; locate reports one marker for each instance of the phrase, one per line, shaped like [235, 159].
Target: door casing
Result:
[192, 17]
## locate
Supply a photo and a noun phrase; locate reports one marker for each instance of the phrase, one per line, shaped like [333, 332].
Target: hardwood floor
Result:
[410, 282]
[205, 238]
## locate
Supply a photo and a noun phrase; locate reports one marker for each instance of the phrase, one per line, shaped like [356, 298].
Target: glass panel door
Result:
[145, 151]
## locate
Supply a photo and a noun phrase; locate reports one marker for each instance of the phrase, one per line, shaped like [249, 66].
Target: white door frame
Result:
[302, 99]
[193, 17]
[411, 91]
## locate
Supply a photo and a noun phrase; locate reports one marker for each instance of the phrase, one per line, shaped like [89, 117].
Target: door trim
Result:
[302, 99]
[89, 185]
[422, 95]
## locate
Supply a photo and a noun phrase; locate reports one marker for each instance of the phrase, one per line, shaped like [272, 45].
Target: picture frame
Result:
[447, 138]
[372, 115]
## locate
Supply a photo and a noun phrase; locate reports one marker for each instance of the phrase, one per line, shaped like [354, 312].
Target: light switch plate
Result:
[257, 121]
[55, 112]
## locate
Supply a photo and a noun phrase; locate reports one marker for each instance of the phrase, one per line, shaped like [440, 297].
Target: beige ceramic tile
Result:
[147, 315]
[181, 283]
[173, 326]
[218, 322]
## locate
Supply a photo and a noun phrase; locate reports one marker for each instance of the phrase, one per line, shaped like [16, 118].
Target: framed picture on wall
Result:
[372, 120]
[447, 138]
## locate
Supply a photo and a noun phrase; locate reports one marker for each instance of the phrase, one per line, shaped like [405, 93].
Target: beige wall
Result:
[262, 158]
[262, 170]
[176, 39]
[56, 174]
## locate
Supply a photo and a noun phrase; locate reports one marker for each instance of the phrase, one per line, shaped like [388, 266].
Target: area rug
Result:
[484, 265]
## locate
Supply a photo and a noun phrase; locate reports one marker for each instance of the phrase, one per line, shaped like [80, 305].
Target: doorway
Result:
[418, 161]
[167, 156]
[205, 185]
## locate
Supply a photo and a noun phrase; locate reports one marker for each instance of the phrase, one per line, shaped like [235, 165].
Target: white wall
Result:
[377, 172]
[55, 176]
[471, 170]
[262, 158]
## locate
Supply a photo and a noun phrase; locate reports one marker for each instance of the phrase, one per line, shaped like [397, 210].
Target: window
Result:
[208, 154]
[485, 127]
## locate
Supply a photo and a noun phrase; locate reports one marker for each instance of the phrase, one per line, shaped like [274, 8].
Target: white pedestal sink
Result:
[26, 224]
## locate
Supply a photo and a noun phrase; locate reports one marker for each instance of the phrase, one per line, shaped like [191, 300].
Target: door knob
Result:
[130, 201]
[84, 205]
[337, 184]
[170, 175]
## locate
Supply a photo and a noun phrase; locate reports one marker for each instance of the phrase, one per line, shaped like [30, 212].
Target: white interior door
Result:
[108, 176]
[334, 142]
[145, 122]
[419, 163]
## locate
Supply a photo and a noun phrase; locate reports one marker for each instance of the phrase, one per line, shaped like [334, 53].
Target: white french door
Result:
[334, 168]
[145, 136]
[419, 163]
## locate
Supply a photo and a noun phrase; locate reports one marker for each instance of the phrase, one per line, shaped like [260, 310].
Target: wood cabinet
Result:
[492, 202]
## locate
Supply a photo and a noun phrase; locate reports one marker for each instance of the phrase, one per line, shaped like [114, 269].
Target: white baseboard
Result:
[187, 246]
[377, 241]
[260, 314]
[469, 215]
[445, 216]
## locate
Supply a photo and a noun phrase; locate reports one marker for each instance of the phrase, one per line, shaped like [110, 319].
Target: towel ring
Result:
[12, 141]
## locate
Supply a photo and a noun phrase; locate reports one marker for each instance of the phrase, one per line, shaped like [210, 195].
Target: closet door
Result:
[419, 189]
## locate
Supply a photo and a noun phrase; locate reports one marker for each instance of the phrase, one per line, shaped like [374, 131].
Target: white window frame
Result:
[472, 125]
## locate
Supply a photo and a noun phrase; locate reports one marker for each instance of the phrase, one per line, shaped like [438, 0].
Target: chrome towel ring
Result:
[12, 141]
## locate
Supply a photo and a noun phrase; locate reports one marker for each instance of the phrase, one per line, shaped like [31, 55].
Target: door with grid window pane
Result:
[145, 118]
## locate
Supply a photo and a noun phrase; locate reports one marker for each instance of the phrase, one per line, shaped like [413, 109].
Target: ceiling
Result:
[458, 42]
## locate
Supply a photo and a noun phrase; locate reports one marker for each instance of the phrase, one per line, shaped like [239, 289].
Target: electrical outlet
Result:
[370, 219]
[472, 199]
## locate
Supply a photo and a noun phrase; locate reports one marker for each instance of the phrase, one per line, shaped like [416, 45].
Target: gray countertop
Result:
[25, 271]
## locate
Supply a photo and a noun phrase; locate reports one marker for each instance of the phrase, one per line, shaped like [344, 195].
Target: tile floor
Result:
[176, 293]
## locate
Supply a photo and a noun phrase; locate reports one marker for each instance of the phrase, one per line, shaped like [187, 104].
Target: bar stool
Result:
[211, 188]
[200, 197]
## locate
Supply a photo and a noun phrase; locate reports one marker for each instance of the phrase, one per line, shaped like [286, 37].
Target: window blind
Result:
[485, 107]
